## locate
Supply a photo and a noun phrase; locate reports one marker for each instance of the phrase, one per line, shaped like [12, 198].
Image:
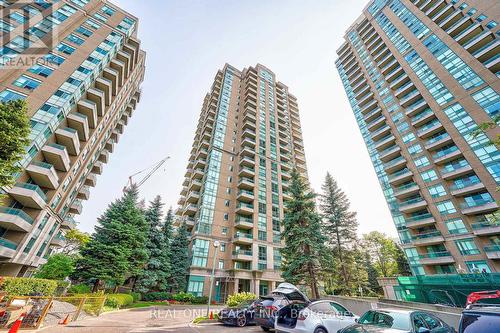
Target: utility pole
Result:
[212, 276]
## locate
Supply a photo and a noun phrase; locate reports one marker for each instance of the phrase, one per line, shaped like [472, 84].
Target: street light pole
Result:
[212, 276]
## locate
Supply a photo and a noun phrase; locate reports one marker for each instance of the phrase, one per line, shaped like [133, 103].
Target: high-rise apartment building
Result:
[78, 64]
[247, 142]
[421, 76]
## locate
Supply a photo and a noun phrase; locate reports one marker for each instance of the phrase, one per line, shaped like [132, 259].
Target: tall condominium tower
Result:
[78, 64]
[247, 142]
[421, 76]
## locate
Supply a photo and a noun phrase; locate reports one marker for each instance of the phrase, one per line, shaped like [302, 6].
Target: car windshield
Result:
[395, 320]
[480, 323]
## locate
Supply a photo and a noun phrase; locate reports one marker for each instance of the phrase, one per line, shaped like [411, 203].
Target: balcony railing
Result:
[243, 252]
[464, 184]
[399, 173]
[437, 138]
[33, 187]
[427, 235]
[445, 152]
[435, 255]
[420, 217]
[454, 167]
[394, 161]
[8, 244]
[476, 203]
[17, 212]
[492, 248]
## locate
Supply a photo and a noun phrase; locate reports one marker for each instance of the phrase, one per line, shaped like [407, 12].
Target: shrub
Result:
[118, 300]
[183, 297]
[135, 296]
[237, 299]
[200, 300]
[156, 296]
[79, 289]
[19, 286]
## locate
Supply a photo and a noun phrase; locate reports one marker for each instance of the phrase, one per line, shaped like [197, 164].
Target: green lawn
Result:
[143, 304]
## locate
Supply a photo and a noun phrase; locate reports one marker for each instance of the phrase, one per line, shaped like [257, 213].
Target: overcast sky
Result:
[188, 41]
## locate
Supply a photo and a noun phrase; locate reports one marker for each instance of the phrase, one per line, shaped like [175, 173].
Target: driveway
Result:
[151, 319]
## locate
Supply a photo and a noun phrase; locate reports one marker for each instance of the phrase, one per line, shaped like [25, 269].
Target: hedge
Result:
[237, 299]
[79, 289]
[20, 286]
[157, 296]
[118, 300]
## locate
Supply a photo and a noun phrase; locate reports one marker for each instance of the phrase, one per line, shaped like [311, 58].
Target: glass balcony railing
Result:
[428, 126]
[454, 166]
[426, 235]
[42, 164]
[8, 244]
[476, 203]
[388, 150]
[431, 255]
[33, 187]
[492, 248]
[245, 192]
[244, 205]
[420, 217]
[394, 161]
[17, 212]
[242, 252]
[415, 105]
[445, 152]
[465, 183]
[252, 170]
[57, 146]
[411, 201]
[405, 187]
[245, 179]
[243, 219]
[422, 114]
[399, 173]
[69, 129]
[437, 138]
[243, 235]
[485, 223]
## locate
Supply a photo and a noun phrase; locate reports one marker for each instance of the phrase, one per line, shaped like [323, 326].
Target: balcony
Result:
[58, 241]
[80, 123]
[399, 81]
[492, 252]
[412, 205]
[438, 141]
[68, 137]
[247, 142]
[394, 164]
[97, 168]
[245, 195]
[105, 86]
[57, 155]
[69, 223]
[466, 187]
[365, 100]
[389, 153]
[416, 107]
[110, 146]
[373, 114]
[250, 152]
[436, 258]
[190, 210]
[446, 155]
[84, 193]
[43, 174]
[29, 195]
[76, 207]
[243, 238]
[243, 208]
[243, 222]
[200, 164]
[15, 219]
[430, 238]
[368, 107]
[198, 174]
[247, 161]
[406, 190]
[98, 98]
[404, 89]
[91, 180]
[400, 176]
[422, 117]
[89, 109]
[419, 221]
[246, 183]
[195, 185]
[248, 133]
[455, 170]
[246, 172]
[485, 227]
[379, 133]
[242, 255]
[429, 129]
[389, 66]
[376, 123]
[7, 248]
[480, 206]
[104, 156]
[193, 197]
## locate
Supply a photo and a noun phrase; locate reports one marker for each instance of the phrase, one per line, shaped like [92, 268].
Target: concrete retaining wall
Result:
[358, 305]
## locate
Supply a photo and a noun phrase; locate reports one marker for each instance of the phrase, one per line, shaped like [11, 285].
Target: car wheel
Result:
[320, 330]
[241, 321]
[265, 329]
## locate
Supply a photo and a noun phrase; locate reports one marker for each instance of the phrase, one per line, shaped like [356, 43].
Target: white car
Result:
[315, 317]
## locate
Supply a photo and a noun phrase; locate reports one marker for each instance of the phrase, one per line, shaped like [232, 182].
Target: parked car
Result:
[480, 318]
[398, 321]
[266, 309]
[318, 317]
[242, 315]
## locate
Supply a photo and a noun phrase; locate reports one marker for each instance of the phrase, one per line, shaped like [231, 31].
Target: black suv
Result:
[480, 318]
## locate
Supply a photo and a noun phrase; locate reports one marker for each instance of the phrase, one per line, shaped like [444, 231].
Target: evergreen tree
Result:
[179, 260]
[402, 261]
[156, 246]
[373, 285]
[164, 258]
[304, 242]
[340, 226]
[116, 250]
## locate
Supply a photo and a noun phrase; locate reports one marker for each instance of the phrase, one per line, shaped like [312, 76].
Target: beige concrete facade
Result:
[79, 103]
[247, 142]
[420, 77]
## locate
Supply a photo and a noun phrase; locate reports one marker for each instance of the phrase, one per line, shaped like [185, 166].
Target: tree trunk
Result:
[344, 271]
[95, 288]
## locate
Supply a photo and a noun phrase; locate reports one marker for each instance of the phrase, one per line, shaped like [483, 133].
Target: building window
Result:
[222, 247]
[195, 285]
[467, 247]
[200, 252]
[456, 226]
[221, 264]
[446, 207]
[478, 266]
[437, 191]
[226, 217]
[429, 176]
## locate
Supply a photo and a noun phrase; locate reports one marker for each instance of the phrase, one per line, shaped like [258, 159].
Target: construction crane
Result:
[151, 170]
